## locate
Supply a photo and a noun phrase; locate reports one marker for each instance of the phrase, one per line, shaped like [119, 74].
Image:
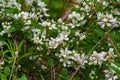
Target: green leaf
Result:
[20, 45]
[10, 47]
[64, 75]
[4, 52]
[6, 70]
[42, 77]
[3, 77]
[115, 66]
[23, 78]
[115, 69]
[99, 32]
[26, 55]
[50, 61]
[11, 10]
[12, 29]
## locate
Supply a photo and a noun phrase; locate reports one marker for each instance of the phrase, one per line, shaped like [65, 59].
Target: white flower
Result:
[110, 75]
[41, 4]
[76, 19]
[28, 22]
[65, 52]
[44, 23]
[43, 67]
[16, 52]
[24, 15]
[60, 20]
[2, 63]
[36, 31]
[55, 42]
[36, 38]
[115, 77]
[29, 2]
[111, 50]
[6, 26]
[70, 16]
[106, 20]
[65, 57]
[95, 58]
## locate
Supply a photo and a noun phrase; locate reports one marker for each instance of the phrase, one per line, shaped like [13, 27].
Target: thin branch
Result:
[95, 12]
[75, 72]
[112, 43]
[15, 57]
[51, 68]
[52, 72]
[91, 51]
[1, 59]
[12, 68]
[100, 41]
[79, 4]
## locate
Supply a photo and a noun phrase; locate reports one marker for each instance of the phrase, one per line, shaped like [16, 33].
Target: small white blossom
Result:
[99, 58]
[65, 57]
[110, 75]
[29, 2]
[6, 26]
[76, 19]
[106, 20]
[55, 42]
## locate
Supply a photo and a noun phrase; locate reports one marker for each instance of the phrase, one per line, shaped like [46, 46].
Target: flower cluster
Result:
[68, 58]
[106, 20]
[99, 58]
[10, 4]
[80, 35]
[110, 75]
[76, 19]
[1, 64]
[54, 43]
[6, 26]
[35, 37]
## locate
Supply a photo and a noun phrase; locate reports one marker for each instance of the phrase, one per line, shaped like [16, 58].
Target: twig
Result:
[51, 68]
[112, 43]
[91, 51]
[95, 11]
[1, 59]
[12, 68]
[100, 41]
[15, 57]
[75, 72]
[52, 72]
[75, 3]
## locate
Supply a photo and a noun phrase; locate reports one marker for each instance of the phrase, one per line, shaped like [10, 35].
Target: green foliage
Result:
[115, 66]
[59, 39]
[22, 78]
